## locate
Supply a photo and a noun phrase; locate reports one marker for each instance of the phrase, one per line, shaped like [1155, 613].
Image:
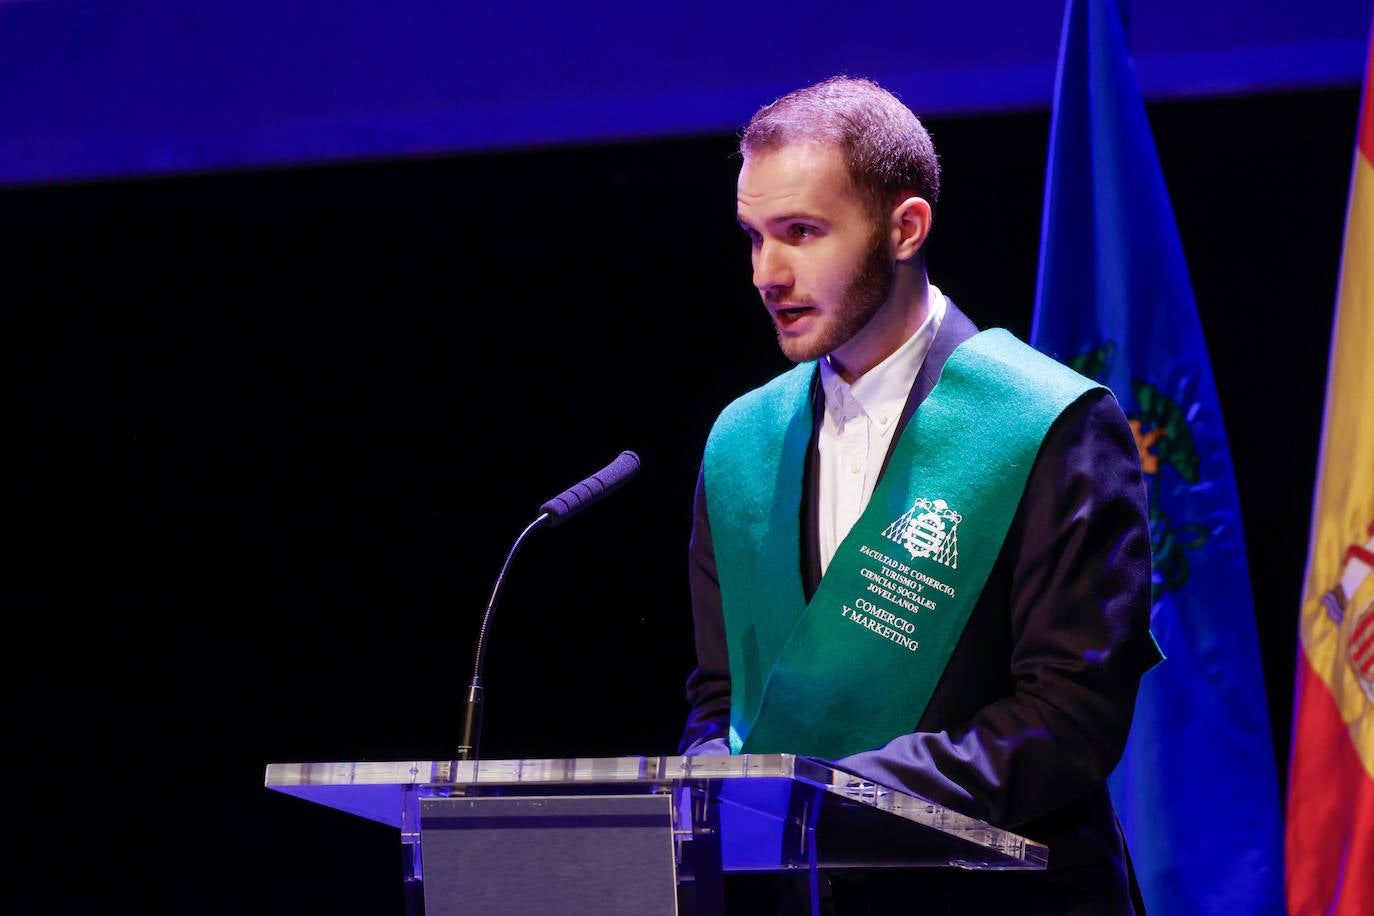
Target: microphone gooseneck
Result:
[557, 510]
[472, 705]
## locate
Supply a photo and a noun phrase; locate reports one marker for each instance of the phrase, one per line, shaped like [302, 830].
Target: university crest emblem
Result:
[930, 528]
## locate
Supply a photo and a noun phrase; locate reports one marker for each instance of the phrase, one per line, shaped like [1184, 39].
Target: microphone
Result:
[578, 497]
[556, 511]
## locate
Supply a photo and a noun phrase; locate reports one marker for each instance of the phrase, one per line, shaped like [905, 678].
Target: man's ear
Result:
[910, 227]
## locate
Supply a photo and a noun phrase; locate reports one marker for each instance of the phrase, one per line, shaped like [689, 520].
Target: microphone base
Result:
[472, 723]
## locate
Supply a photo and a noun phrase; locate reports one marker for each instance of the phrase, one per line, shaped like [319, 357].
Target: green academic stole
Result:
[856, 666]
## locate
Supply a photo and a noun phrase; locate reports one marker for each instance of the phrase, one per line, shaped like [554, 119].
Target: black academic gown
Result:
[1033, 708]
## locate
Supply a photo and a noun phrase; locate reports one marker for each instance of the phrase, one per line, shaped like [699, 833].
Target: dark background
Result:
[272, 434]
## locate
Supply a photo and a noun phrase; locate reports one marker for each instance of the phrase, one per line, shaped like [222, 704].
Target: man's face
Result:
[821, 264]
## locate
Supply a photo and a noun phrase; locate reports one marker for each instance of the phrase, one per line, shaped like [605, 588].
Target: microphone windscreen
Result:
[581, 495]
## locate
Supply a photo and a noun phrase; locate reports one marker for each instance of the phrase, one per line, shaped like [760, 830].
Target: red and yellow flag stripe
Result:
[1329, 843]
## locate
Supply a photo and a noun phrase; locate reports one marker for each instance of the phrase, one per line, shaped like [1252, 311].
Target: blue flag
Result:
[1197, 789]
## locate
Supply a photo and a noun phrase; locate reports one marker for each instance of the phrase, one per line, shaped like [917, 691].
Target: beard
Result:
[864, 294]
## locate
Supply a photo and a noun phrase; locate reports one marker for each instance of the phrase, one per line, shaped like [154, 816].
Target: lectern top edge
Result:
[378, 790]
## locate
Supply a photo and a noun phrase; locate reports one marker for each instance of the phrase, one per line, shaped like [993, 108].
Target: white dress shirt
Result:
[857, 427]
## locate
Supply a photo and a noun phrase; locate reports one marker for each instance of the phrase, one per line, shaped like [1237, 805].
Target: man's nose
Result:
[772, 268]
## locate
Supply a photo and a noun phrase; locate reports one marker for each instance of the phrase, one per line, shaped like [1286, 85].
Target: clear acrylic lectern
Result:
[641, 835]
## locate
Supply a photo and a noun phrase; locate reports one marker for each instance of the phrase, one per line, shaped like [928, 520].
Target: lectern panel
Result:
[606, 855]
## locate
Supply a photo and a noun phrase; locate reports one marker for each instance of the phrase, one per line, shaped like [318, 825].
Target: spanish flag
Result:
[1329, 842]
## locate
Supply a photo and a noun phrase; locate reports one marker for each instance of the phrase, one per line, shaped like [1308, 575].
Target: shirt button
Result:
[855, 465]
[882, 419]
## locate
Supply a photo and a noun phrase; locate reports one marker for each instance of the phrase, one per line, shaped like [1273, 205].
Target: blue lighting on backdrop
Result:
[95, 89]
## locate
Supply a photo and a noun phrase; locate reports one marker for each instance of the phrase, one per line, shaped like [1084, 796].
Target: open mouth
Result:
[789, 316]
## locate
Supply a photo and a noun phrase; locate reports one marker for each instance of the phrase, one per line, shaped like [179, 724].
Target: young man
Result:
[941, 587]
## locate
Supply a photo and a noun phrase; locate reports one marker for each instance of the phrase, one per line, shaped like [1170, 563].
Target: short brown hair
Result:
[888, 151]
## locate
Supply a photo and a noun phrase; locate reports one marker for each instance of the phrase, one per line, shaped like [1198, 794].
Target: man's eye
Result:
[801, 231]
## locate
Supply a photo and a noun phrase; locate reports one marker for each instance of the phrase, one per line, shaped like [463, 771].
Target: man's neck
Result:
[899, 318]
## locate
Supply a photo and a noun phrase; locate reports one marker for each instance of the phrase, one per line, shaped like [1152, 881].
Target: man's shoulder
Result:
[1008, 359]
[958, 330]
[766, 417]
[780, 394]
